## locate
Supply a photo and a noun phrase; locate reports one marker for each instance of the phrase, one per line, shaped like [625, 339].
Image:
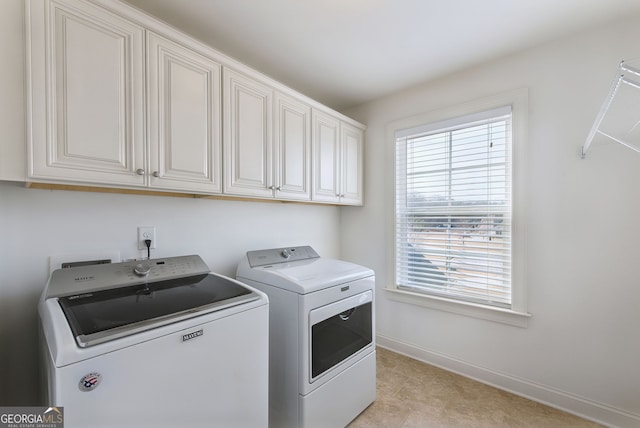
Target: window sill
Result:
[505, 316]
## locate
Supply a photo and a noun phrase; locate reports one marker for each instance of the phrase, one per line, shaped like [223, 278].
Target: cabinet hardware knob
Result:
[140, 171]
[156, 174]
[271, 187]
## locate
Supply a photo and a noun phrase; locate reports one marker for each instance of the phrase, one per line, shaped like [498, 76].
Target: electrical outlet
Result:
[146, 232]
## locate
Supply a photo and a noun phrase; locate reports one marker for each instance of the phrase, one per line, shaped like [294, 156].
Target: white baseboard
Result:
[587, 409]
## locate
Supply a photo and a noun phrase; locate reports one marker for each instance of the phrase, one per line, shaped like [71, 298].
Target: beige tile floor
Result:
[414, 394]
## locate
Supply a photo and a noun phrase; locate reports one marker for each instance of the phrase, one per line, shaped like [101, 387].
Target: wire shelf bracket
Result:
[622, 80]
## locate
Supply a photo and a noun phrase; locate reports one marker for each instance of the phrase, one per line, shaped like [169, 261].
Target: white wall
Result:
[35, 224]
[581, 348]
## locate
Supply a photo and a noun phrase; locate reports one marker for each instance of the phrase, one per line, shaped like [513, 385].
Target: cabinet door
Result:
[326, 158]
[184, 118]
[292, 149]
[86, 87]
[351, 139]
[247, 140]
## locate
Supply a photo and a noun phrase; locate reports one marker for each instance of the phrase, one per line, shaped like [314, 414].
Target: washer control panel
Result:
[280, 255]
[83, 279]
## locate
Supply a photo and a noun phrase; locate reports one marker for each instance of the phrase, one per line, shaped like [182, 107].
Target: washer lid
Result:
[100, 316]
[304, 276]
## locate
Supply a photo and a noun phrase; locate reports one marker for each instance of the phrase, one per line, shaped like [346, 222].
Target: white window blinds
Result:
[453, 208]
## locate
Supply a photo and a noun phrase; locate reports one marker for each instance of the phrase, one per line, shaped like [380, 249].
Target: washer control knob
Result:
[142, 269]
[285, 253]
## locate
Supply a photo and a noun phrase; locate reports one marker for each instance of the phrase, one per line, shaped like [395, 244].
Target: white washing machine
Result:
[162, 343]
[322, 370]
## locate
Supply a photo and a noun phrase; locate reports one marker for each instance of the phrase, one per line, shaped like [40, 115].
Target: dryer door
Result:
[338, 331]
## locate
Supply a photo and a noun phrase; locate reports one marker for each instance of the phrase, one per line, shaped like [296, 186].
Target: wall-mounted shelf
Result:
[619, 116]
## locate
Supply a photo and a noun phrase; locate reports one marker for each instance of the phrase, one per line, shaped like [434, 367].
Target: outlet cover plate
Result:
[146, 232]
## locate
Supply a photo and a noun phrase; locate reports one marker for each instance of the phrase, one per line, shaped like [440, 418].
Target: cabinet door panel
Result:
[247, 138]
[87, 70]
[326, 164]
[92, 92]
[293, 149]
[184, 118]
[352, 142]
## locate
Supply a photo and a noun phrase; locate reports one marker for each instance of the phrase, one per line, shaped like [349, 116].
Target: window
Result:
[454, 216]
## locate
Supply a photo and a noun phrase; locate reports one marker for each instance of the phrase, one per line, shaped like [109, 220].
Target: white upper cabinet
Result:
[248, 139]
[292, 157]
[267, 140]
[116, 98]
[351, 140]
[326, 133]
[88, 107]
[337, 160]
[86, 121]
[184, 118]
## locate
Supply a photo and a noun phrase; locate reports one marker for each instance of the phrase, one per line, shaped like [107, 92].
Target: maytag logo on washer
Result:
[192, 335]
[90, 381]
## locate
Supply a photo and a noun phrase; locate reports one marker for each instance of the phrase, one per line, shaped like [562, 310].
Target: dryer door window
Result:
[340, 330]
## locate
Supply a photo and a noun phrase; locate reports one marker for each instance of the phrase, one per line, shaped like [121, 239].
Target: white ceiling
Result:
[345, 52]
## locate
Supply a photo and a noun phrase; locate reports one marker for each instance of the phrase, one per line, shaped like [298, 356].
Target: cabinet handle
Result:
[278, 188]
[140, 171]
[271, 187]
[156, 174]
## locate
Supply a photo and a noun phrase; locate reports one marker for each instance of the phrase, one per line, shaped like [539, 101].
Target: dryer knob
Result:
[142, 269]
[286, 254]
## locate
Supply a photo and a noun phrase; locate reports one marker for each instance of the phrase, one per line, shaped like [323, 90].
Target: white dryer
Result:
[159, 343]
[322, 370]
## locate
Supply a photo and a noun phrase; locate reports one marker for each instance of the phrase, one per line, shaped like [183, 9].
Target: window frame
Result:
[516, 315]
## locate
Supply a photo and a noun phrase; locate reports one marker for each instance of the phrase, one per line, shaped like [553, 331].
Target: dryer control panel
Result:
[280, 255]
